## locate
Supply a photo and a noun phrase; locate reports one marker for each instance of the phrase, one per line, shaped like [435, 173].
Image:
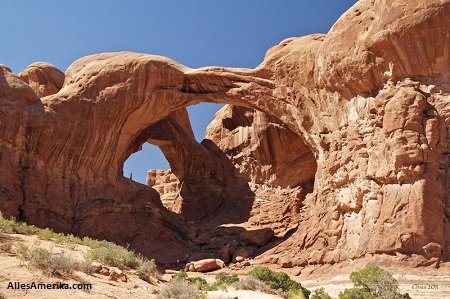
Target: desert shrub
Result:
[253, 284]
[179, 289]
[45, 234]
[10, 226]
[114, 255]
[62, 264]
[86, 241]
[197, 282]
[86, 265]
[202, 284]
[50, 263]
[5, 225]
[279, 280]
[355, 293]
[223, 280]
[6, 246]
[320, 294]
[294, 294]
[23, 252]
[373, 282]
[147, 268]
[102, 251]
[39, 257]
[179, 276]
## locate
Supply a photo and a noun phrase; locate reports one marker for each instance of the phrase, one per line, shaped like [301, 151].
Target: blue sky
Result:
[197, 33]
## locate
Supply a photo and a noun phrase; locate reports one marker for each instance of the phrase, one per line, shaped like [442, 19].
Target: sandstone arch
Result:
[370, 99]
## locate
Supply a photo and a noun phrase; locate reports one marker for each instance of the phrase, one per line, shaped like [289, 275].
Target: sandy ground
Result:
[230, 294]
[417, 286]
[420, 283]
[13, 270]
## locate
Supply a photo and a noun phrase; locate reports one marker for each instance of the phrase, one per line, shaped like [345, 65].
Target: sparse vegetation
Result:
[280, 281]
[224, 280]
[102, 251]
[179, 276]
[373, 282]
[39, 257]
[115, 255]
[146, 269]
[6, 246]
[62, 264]
[51, 264]
[198, 282]
[253, 284]
[320, 294]
[180, 289]
[23, 252]
[202, 284]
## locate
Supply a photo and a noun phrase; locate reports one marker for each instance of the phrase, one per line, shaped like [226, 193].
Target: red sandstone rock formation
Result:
[370, 100]
[44, 78]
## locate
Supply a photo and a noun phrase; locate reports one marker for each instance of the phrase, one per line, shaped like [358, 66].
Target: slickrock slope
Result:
[370, 100]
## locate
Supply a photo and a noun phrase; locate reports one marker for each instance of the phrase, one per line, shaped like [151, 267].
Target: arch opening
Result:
[250, 172]
[148, 157]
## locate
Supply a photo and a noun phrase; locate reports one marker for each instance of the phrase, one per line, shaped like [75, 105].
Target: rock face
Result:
[44, 78]
[369, 101]
[263, 149]
[201, 177]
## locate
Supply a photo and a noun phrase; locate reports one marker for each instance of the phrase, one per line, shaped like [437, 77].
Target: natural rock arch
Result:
[370, 99]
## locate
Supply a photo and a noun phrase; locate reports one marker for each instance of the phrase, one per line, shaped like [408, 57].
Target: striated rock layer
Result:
[370, 101]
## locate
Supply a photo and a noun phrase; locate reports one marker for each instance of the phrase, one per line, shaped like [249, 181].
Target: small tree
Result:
[279, 281]
[373, 282]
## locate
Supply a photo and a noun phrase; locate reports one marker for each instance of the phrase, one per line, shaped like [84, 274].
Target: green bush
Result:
[202, 284]
[179, 276]
[373, 282]
[114, 255]
[355, 293]
[39, 257]
[197, 282]
[23, 252]
[224, 279]
[10, 226]
[279, 280]
[45, 234]
[147, 268]
[294, 294]
[320, 294]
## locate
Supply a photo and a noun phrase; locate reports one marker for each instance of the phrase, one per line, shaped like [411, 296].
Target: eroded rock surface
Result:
[370, 101]
[45, 79]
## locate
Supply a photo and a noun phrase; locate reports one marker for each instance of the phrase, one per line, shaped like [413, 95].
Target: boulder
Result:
[241, 254]
[205, 265]
[259, 237]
